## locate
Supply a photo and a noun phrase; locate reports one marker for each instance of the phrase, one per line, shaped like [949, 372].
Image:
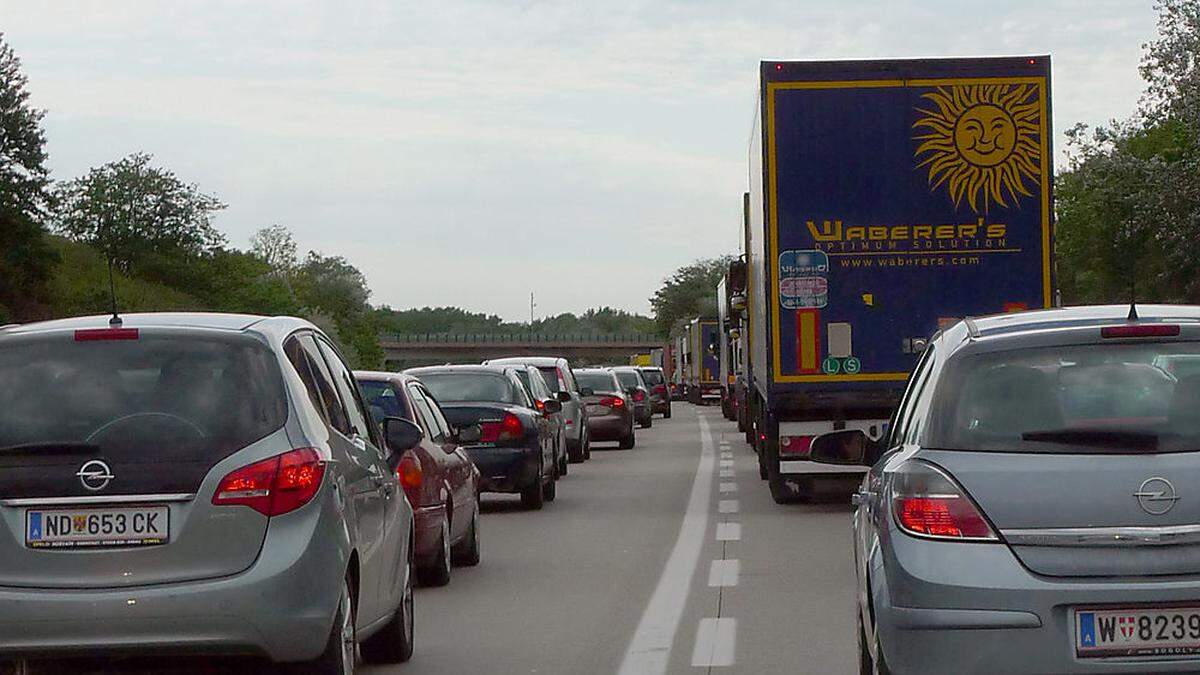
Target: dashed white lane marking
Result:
[727, 473]
[650, 649]
[715, 643]
[724, 572]
[725, 463]
[728, 487]
[728, 506]
[729, 531]
[727, 455]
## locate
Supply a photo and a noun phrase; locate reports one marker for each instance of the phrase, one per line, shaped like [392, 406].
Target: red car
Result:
[441, 482]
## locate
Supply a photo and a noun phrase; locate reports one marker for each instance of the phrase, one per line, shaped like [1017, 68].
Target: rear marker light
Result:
[101, 334]
[273, 486]
[926, 502]
[1140, 330]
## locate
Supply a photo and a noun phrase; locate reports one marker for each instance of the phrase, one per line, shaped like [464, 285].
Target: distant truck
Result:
[701, 363]
[731, 352]
[888, 199]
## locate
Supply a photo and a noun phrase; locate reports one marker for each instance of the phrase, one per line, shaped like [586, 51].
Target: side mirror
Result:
[841, 448]
[401, 434]
[551, 406]
[737, 301]
[563, 396]
[470, 434]
[586, 391]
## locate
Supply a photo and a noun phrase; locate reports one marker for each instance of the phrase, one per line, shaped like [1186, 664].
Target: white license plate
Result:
[99, 527]
[1141, 631]
[598, 410]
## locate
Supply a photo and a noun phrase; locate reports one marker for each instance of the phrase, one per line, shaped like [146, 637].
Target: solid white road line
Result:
[650, 649]
[716, 641]
[724, 572]
[729, 531]
[728, 487]
[728, 506]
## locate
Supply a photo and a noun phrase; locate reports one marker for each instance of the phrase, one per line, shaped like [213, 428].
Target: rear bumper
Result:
[948, 607]
[257, 612]
[609, 428]
[505, 469]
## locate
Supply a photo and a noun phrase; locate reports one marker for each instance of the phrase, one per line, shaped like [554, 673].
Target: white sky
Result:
[466, 153]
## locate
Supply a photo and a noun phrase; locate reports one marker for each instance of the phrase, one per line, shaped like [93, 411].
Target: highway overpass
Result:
[406, 351]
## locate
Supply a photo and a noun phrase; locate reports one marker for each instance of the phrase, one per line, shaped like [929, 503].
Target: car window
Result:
[652, 377]
[442, 423]
[335, 412]
[520, 393]
[347, 389]
[298, 357]
[384, 400]
[900, 419]
[537, 386]
[454, 387]
[429, 421]
[553, 380]
[598, 381]
[628, 378]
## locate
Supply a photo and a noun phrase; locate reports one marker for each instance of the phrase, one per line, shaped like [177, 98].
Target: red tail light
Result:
[1140, 331]
[98, 334]
[613, 402]
[505, 429]
[796, 446]
[274, 486]
[927, 503]
[639, 396]
[660, 389]
[410, 474]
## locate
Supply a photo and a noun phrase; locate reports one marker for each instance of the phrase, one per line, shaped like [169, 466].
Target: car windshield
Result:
[195, 399]
[382, 400]
[597, 380]
[628, 378]
[653, 377]
[1087, 396]
[452, 387]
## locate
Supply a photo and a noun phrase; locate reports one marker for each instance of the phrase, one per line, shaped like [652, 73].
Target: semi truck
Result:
[731, 353]
[702, 364]
[887, 200]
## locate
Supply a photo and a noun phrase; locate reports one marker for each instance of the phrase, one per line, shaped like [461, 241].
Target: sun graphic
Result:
[982, 141]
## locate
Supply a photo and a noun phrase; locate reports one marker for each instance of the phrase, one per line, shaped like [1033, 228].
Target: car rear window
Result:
[1091, 396]
[597, 381]
[653, 377]
[452, 387]
[628, 378]
[550, 375]
[164, 397]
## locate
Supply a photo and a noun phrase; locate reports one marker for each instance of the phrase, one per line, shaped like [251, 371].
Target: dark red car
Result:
[441, 482]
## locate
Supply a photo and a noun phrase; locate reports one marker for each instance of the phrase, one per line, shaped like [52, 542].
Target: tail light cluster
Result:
[795, 446]
[505, 429]
[274, 486]
[614, 402]
[639, 396]
[928, 503]
[660, 389]
[411, 476]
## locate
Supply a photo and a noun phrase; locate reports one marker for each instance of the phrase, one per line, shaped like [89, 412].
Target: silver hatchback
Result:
[179, 483]
[1036, 508]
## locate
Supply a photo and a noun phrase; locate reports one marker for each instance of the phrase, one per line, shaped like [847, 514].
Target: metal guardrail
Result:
[519, 338]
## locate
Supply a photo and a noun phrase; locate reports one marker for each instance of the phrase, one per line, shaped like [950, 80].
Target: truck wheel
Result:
[781, 492]
[762, 468]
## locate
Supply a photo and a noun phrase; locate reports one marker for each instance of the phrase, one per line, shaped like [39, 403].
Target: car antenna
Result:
[115, 321]
[1133, 313]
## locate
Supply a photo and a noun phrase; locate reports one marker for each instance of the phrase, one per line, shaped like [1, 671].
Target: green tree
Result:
[329, 286]
[691, 291]
[137, 213]
[27, 259]
[276, 246]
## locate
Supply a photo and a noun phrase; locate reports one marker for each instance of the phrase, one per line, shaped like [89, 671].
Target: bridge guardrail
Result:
[519, 338]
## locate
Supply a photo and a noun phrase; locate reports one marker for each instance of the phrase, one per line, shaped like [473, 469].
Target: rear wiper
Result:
[56, 448]
[1106, 438]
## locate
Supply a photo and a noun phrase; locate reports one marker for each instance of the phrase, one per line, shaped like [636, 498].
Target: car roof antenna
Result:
[115, 321]
[1133, 314]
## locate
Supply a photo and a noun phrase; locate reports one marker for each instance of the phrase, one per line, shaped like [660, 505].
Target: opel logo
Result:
[95, 475]
[1156, 496]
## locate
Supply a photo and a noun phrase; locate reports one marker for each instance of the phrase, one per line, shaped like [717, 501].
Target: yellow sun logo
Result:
[983, 140]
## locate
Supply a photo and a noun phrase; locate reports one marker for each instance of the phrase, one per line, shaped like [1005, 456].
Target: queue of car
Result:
[159, 465]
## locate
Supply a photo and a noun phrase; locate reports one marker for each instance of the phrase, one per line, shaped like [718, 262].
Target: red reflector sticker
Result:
[1140, 330]
[98, 334]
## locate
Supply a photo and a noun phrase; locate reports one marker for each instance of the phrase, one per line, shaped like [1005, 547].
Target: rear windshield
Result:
[1071, 399]
[383, 400]
[628, 378]
[597, 381]
[193, 399]
[653, 377]
[450, 387]
[550, 375]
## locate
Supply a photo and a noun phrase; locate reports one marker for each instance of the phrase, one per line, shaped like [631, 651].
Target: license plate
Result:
[1142, 631]
[93, 528]
[598, 410]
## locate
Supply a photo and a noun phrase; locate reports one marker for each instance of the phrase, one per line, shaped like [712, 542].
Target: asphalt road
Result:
[668, 558]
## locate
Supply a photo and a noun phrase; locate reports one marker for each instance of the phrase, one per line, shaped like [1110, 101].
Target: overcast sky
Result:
[465, 153]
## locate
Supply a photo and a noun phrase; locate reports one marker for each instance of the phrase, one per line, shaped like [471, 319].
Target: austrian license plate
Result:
[100, 527]
[1143, 631]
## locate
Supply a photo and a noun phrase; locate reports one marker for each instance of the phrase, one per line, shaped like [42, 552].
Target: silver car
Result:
[561, 380]
[197, 483]
[1036, 508]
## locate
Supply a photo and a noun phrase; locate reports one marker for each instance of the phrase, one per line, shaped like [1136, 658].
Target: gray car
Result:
[197, 483]
[1036, 507]
[639, 394]
[561, 380]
